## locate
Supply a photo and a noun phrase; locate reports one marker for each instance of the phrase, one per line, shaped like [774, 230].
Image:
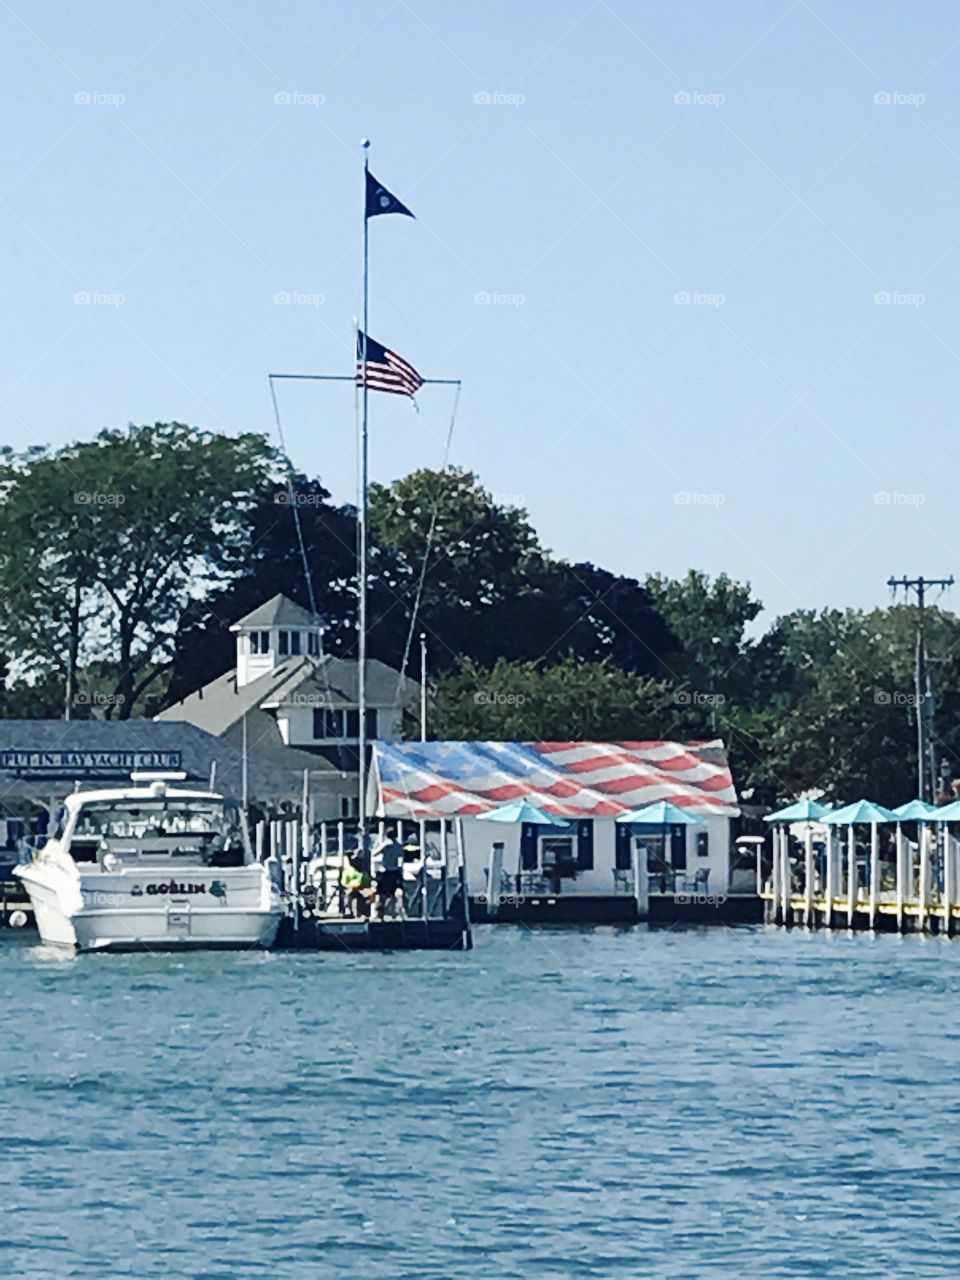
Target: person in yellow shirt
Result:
[357, 886]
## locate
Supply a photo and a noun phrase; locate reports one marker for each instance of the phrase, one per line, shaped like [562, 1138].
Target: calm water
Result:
[556, 1104]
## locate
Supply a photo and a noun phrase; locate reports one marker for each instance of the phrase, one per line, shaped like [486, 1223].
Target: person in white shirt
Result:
[388, 865]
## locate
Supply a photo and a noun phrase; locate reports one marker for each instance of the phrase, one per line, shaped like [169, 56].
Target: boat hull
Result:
[64, 919]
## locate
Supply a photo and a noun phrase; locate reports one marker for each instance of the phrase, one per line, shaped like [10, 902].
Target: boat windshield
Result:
[150, 818]
[208, 830]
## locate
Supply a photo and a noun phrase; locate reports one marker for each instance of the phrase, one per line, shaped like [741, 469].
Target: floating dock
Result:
[430, 911]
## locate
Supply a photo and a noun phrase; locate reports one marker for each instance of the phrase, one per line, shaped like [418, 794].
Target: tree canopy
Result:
[103, 544]
[125, 560]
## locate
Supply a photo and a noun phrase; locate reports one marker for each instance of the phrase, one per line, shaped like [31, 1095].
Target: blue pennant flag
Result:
[380, 200]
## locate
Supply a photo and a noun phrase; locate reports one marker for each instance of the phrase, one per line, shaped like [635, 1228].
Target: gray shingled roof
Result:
[333, 681]
[279, 611]
[220, 704]
[274, 772]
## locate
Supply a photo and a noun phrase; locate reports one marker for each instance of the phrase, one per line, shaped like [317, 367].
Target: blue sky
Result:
[792, 169]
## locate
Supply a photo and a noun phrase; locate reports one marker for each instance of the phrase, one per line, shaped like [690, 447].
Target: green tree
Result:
[709, 619]
[572, 699]
[102, 544]
[441, 535]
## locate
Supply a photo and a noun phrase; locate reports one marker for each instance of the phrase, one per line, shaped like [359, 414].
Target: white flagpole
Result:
[362, 551]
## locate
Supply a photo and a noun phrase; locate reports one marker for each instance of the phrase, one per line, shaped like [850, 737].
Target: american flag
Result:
[385, 370]
[570, 779]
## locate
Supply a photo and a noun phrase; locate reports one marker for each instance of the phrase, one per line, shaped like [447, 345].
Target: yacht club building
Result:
[284, 692]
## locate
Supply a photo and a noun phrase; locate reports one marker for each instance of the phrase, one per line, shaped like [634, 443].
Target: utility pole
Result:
[923, 685]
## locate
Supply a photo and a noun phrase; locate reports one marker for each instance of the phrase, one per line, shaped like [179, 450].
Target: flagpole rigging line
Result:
[298, 526]
[293, 502]
[418, 598]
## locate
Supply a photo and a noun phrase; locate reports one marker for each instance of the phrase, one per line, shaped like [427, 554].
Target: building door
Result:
[557, 860]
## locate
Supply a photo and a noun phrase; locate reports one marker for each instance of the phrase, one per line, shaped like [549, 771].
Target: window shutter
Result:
[678, 848]
[585, 844]
[623, 860]
[528, 847]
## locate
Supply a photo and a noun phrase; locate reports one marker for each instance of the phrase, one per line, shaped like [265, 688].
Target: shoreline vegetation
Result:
[125, 559]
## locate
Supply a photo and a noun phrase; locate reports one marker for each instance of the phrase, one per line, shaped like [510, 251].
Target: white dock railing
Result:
[311, 859]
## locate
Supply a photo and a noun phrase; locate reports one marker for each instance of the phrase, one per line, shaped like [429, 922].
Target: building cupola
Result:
[272, 634]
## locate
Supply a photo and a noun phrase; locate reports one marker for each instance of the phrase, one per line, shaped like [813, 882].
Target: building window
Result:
[328, 723]
[295, 642]
[342, 723]
[284, 647]
[259, 641]
[313, 644]
[703, 844]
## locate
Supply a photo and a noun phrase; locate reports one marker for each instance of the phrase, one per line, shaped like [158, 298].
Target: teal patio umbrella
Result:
[526, 813]
[662, 814]
[522, 811]
[800, 811]
[808, 811]
[918, 811]
[867, 813]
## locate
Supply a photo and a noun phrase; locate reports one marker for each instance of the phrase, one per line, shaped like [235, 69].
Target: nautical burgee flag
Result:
[385, 370]
[380, 200]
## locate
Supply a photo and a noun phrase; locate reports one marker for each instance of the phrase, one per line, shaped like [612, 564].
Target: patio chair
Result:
[699, 882]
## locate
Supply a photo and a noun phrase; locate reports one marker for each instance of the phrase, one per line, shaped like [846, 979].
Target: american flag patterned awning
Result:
[571, 779]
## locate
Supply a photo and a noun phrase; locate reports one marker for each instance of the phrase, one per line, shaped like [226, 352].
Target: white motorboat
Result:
[151, 866]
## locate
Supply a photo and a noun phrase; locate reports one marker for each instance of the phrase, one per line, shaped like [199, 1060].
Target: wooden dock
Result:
[912, 915]
[430, 911]
[314, 934]
[886, 884]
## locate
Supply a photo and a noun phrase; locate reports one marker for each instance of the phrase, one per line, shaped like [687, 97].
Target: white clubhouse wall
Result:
[479, 836]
